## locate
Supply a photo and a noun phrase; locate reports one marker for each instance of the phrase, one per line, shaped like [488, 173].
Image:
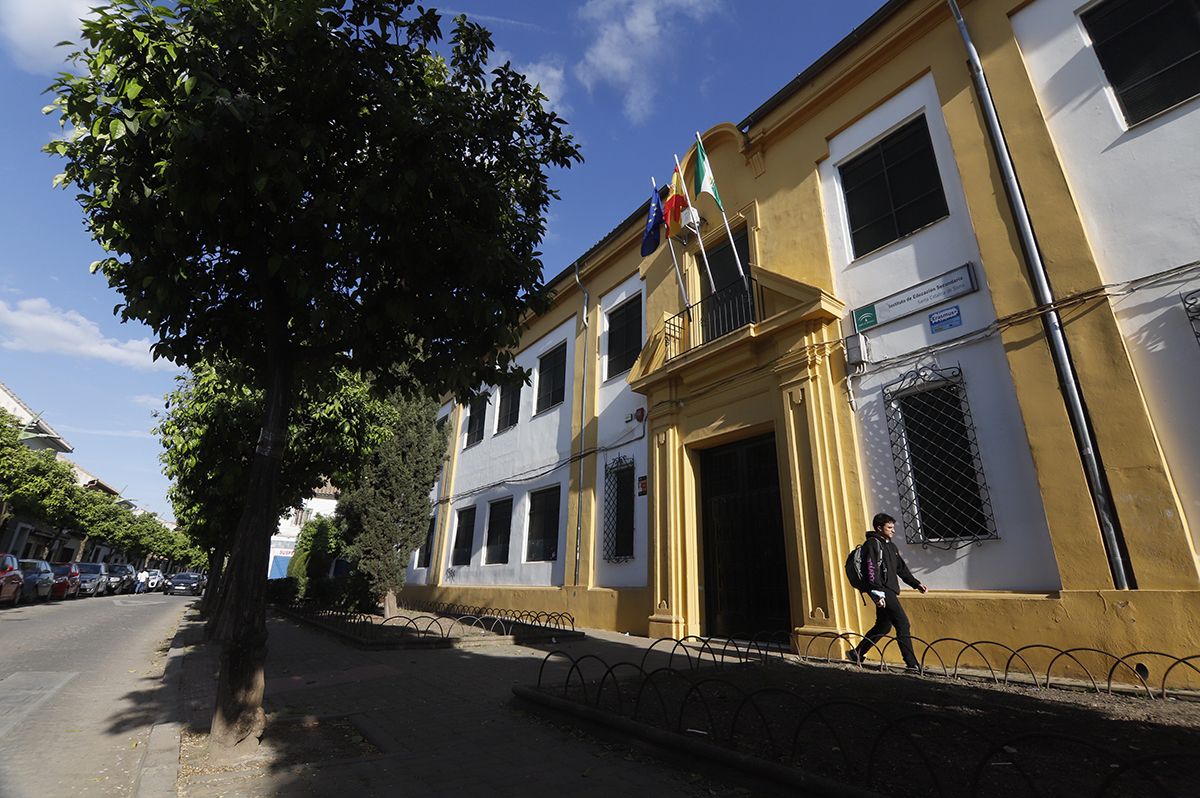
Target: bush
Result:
[283, 591]
[352, 592]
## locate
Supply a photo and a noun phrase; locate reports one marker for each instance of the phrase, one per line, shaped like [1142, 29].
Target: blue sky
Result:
[634, 78]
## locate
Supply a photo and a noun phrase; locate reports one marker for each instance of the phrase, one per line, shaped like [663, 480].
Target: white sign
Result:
[922, 295]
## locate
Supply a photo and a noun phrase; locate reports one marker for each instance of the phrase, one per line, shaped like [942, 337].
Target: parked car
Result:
[39, 580]
[93, 578]
[185, 582]
[66, 580]
[156, 580]
[11, 579]
[121, 577]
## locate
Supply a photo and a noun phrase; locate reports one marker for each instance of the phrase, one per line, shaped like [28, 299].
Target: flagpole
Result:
[737, 259]
[678, 274]
[699, 238]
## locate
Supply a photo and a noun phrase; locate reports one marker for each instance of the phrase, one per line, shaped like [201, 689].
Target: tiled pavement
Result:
[444, 722]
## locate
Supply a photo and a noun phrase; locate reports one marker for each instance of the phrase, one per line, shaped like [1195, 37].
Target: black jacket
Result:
[878, 551]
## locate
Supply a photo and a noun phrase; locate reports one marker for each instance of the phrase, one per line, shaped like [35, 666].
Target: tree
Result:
[207, 432]
[295, 187]
[319, 544]
[385, 514]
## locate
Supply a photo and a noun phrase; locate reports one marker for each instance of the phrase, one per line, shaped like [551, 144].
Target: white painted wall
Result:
[615, 401]
[1022, 559]
[1138, 193]
[531, 456]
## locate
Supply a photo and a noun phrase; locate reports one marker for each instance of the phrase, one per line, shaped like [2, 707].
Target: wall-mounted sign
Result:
[945, 319]
[952, 284]
[641, 486]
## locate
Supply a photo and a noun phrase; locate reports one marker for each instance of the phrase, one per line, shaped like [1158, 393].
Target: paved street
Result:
[80, 687]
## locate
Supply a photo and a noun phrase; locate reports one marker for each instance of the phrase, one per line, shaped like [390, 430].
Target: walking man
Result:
[142, 579]
[884, 568]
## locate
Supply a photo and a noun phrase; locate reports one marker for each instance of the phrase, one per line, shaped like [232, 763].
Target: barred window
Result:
[543, 525]
[944, 497]
[476, 412]
[464, 537]
[1149, 51]
[552, 378]
[893, 188]
[1191, 306]
[423, 554]
[624, 335]
[618, 509]
[498, 532]
[510, 407]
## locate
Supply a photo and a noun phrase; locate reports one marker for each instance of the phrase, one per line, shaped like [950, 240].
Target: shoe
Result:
[854, 656]
[914, 670]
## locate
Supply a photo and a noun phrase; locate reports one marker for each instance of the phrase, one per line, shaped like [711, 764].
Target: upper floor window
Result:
[893, 189]
[510, 407]
[624, 335]
[552, 378]
[1149, 51]
[476, 412]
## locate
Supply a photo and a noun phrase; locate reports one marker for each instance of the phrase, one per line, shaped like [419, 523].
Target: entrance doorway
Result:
[745, 573]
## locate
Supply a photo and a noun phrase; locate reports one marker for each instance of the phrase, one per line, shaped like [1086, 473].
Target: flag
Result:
[653, 221]
[704, 176]
[676, 202]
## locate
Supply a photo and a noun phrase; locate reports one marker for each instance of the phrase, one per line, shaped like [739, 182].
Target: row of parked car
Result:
[31, 580]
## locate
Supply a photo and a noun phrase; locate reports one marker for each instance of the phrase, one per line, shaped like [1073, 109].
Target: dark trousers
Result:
[890, 615]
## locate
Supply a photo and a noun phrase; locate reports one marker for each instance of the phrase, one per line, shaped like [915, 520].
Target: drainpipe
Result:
[1097, 485]
[582, 402]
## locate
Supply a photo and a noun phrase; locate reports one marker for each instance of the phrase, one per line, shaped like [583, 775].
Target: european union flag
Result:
[653, 221]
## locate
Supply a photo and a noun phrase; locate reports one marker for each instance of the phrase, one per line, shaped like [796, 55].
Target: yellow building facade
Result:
[856, 359]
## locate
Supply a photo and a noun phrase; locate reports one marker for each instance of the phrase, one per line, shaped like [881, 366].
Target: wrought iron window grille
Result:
[944, 498]
[1191, 306]
[618, 510]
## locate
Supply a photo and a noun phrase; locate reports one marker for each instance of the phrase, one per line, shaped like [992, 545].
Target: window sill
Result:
[552, 407]
[473, 444]
[614, 377]
[502, 431]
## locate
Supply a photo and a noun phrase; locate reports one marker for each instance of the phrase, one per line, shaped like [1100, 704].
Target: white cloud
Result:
[151, 400]
[29, 29]
[627, 52]
[34, 325]
[450, 13]
[550, 73]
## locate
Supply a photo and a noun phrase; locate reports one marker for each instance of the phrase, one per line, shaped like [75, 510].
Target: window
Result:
[1191, 306]
[893, 188]
[618, 510]
[624, 335]
[498, 532]
[510, 407]
[464, 537]
[552, 378]
[944, 498]
[1149, 51]
[731, 308]
[476, 413]
[543, 525]
[423, 554]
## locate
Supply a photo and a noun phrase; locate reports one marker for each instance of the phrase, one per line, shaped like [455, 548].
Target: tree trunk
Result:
[208, 604]
[240, 619]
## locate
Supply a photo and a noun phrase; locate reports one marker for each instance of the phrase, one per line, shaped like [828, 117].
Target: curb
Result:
[804, 782]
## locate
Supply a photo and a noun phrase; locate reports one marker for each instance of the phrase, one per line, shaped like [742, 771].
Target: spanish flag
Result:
[673, 207]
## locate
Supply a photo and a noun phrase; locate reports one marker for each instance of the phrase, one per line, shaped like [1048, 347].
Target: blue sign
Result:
[945, 319]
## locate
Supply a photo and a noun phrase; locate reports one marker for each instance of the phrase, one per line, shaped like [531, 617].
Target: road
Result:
[80, 687]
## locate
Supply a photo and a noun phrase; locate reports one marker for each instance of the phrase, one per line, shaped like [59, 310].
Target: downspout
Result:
[1097, 485]
[582, 402]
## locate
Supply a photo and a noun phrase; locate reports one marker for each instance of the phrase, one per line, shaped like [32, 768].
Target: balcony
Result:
[717, 315]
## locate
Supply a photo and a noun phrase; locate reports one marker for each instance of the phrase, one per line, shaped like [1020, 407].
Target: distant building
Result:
[323, 502]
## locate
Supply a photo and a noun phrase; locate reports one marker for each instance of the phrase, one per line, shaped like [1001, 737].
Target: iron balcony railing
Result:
[716, 315]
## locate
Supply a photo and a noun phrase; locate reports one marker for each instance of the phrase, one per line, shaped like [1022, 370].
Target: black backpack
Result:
[856, 568]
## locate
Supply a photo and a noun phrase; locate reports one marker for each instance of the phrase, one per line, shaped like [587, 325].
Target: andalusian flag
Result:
[705, 182]
[673, 207]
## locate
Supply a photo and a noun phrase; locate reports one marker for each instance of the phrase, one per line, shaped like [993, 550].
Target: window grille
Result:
[1191, 306]
[464, 537]
[543, 525]
[624, 336]
[618, 510]
[424, 553]
[1149, 51]
[552, 378]
[475, 417]
[893, 188]
[510, 407]
[499, 529]
[944, 497]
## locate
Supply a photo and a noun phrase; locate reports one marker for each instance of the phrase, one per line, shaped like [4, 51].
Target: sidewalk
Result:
[418, 722]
